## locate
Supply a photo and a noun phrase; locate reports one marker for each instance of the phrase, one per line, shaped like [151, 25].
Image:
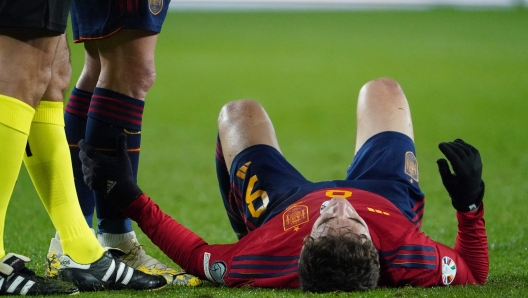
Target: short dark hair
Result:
[338, 262]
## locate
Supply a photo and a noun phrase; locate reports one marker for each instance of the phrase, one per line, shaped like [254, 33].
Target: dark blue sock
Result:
[110, 114]
[76, 113]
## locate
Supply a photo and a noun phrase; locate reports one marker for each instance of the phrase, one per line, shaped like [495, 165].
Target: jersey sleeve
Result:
[251, 261]
[424, 262]
[180, 244]
[472, 244]
[468, 261]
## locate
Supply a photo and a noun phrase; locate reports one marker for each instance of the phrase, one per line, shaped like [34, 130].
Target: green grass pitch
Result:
[465, 74]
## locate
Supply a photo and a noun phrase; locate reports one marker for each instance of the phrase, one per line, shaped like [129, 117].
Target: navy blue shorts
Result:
[97, 19]
[39, 14]
[263, 183]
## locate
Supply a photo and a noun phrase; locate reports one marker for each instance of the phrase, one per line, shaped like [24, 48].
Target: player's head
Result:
[338, 254]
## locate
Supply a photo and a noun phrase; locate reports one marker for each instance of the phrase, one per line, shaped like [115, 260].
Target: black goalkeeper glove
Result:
[108, 175]
[465, 185]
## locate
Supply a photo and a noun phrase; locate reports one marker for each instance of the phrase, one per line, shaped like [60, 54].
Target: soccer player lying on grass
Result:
[351, 234]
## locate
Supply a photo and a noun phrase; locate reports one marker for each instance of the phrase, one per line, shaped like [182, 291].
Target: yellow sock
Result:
[48, 162]
[15, 121]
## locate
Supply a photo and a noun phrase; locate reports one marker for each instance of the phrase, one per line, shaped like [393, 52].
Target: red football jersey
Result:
[268, 256]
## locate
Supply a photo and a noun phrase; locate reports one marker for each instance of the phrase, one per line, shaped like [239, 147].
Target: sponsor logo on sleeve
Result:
[449, 270]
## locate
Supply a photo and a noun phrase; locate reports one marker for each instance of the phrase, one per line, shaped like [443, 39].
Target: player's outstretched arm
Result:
[112, 177]
[466, 189]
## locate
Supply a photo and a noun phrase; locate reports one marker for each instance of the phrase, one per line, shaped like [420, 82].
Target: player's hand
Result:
[108, 175]
[465, 185]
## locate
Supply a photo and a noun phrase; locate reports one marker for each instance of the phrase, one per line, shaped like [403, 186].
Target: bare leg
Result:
[60, 73]
[91, 69]
[127, 62]
[26, 56]
[241, 124]
[382, 106]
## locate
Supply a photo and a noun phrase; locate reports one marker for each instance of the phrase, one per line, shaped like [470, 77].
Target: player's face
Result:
[339, 215]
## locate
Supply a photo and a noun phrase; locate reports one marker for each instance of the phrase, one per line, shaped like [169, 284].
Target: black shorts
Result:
[39, 14]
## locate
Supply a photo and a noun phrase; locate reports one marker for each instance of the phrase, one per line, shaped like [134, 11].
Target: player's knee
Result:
[34, 84]
[37, 86]
[59, 81]
[147, 77]
[139, 80]
[381, 91]
[385, 85]
[133, 79]
[89, 74]
[237, 108]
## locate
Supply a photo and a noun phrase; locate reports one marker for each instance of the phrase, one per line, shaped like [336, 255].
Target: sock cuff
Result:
[116, 109]
[79, 103]
[16, 114]
[50, 112]
[114, 240]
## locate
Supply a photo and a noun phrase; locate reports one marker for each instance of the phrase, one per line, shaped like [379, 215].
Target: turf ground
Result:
[465, 74]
